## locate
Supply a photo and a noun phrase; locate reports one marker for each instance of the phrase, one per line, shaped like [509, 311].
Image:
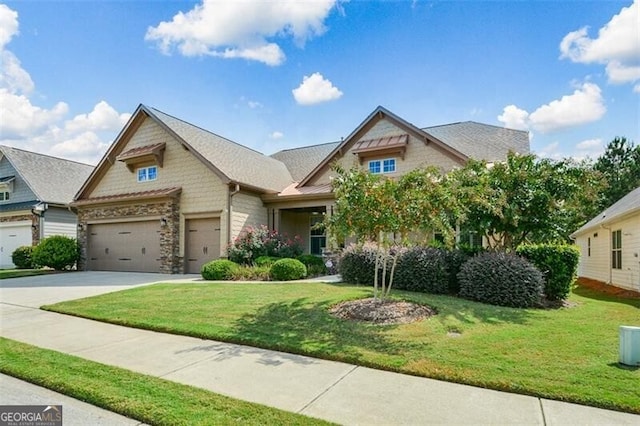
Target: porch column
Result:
[331, 242]
[274, 219]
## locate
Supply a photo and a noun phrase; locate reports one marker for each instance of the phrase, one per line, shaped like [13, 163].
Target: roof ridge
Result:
[476, 122]
[45, 155]
[206, 131]
[306, 146]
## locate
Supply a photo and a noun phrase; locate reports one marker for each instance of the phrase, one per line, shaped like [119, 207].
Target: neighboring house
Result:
[169, 196]
[610, 244]
[35, 193]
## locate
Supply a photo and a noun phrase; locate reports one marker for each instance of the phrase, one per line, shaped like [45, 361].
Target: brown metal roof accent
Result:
[381, 146]
[130, 196]
[141, 154]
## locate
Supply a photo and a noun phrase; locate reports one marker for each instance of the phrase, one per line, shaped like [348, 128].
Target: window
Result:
[616, 249]
[317, 237]
[4, 196]
[146, 174]
[588, 246]
[382, 166]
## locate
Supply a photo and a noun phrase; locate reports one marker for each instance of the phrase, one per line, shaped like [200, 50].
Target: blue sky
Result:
[281, 74]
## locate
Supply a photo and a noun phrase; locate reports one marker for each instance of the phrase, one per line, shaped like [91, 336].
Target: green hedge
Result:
[558, 263]
[57, 252]
[423, 269]
[22, 257]
[221, 269]
[288, 269]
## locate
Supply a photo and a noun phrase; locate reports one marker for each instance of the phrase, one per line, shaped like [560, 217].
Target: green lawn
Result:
[15, 273]
[147, 399]
[566, 354]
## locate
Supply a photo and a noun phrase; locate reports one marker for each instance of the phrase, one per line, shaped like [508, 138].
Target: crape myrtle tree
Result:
[384, 210]
[525, 198]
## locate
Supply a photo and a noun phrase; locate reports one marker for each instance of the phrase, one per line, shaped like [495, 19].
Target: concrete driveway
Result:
[34, 292]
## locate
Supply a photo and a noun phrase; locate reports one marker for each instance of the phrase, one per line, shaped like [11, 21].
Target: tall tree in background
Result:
[620, 165]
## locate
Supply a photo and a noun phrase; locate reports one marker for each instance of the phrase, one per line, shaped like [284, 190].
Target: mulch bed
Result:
[601, 287]
[376, 311]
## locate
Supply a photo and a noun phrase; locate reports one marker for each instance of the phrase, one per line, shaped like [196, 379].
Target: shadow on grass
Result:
[597, 295]
[307, 328]
[619, 366]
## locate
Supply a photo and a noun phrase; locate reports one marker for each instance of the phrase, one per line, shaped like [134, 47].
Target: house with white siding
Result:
[610, 244]
[35, 193]
[169, 196]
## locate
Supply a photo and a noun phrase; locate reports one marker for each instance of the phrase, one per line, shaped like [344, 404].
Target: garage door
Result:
[12, 236]
[203, 243]
[128, 247]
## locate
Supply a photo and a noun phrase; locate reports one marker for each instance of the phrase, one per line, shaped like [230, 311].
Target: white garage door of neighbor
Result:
[12, 236]
[126, 247]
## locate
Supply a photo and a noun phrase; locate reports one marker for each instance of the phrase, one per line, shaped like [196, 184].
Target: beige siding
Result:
[202, 190]
[598, 265]
[296, 223]
[248, 210]
[417, 154]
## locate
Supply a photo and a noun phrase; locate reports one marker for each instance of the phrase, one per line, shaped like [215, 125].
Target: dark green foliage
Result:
[358, 263]
[288, 269]
[265, 261]
[620, 165]
[57, 252]
[558, 264]
[455, 259]
[22, 257]
[500, 278]
[423, 269]
[315, 265]
[221, 269]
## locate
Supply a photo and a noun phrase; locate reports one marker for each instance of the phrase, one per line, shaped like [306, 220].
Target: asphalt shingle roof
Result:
[481, 141]
[53, 180]
[237, 162]
[301, 161]
[625, 205]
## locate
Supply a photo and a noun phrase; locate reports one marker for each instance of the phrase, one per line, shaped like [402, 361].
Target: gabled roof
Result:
[300, 161]
[230, 161]
[481, 141]
[51, 179]
[627, 205]
[377, 115]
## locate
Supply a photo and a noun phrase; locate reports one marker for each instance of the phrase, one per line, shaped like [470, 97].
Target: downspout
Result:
[230, 210]
[610, 255]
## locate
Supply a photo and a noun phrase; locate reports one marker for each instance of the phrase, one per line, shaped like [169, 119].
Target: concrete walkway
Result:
[334, 391]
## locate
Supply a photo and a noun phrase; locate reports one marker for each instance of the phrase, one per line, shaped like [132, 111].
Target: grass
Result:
[147, 399]
[568, 354]
[16, 273]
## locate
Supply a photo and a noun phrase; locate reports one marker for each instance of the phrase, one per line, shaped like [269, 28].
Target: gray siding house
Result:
[35, 193]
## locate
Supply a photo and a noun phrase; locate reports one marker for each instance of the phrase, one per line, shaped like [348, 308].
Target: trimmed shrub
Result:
[22, 257]
[455, 260]
[357, 264]
[265, 261]
[221, 269]
[423, 269]
[57, 252]
[502, 279]
[558, 263]
[315, 265]
[288, 269]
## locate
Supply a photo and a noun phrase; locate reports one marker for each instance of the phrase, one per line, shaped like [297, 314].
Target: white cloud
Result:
[584, 105]
[254, 104]
[617, 45]
[514, 118]
[315, 89]
[40, 129]
[551, 151]
[276, 135]
[241, 29]
[590, 148]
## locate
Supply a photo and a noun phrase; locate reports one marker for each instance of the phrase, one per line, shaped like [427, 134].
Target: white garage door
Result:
[127, 247]
[203, 243]
[12, 236]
